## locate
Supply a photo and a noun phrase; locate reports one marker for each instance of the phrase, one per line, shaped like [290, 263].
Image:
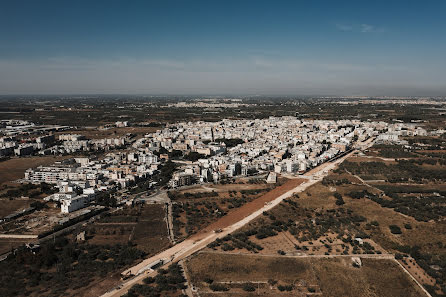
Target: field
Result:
[112, 243]
[287, 276]
[196, 207]
[422, 239]
[36, 222]
[87, 270]
[14, 169]
[7, 244]
[109, 109]
[246, 209]
[9, 206]
[416, 209]
[405, 219]
[307, 224]
[143, 226]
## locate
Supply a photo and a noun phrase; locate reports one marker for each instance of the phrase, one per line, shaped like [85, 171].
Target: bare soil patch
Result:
[9, 206]
[326, 277]
[250, 207]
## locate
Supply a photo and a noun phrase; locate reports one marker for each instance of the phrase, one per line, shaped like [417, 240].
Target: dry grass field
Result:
[143, 225]
[308, 224]
[374, 278]
[321, 197]
[210, 207]
[250, 207]
[9, 206]
[327, 277]
[7, 244]
[326, 227]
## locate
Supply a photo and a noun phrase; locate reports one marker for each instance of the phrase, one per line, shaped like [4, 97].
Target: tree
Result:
[218, 287]
[248, 287]
[193, 156]
[395, 229]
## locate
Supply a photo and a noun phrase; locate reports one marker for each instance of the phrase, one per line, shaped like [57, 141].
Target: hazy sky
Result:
[223, 47]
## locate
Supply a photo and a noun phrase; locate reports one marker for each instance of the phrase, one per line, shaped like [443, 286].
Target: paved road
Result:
[196, 243]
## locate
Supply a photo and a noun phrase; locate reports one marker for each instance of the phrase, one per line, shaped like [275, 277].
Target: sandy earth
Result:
[229, 224]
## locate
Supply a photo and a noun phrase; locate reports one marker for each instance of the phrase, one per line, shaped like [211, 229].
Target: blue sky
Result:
[223, 47]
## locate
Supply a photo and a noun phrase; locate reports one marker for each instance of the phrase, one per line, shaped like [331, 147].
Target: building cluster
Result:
[47, 143]
[21, 127]
[279, 144]
[224, 149]
[78, 179]
[72, 143]
[22, 138]
[208, 104]
[14, 146]
[395, 131]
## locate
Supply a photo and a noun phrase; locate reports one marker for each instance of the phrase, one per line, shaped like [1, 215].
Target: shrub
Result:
[248, 287]
[208, 280]
[218, 288]
[399, 256]
[272, 282]
[285, 288]
[395, 229]
[149, 280]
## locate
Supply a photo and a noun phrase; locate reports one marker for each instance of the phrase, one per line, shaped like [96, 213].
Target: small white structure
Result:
[359, 240]
[356, 262]
[272, 178]
[80, 236]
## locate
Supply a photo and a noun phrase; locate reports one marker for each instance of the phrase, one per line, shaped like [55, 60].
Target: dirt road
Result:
[228, 224]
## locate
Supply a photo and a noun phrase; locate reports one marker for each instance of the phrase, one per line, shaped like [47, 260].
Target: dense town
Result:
[209, 151]
[159, 191]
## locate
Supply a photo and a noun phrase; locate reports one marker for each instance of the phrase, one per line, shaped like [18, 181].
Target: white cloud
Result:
[367, 28]
[345, 28]
[362, 28]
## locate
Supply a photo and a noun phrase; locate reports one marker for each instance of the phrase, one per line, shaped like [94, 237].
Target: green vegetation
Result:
[339, 200]
[285, 288]
[239, 240]
[163, 176]
[106, 198]
[198, 214]
[194, 211]
[61, 266]
[230, 142]
[29, 190]
[393, 151]
[395, 229]
[403, 171]
[249, 287]
[425, 206]
[218, 287]
[193, 156]
[170, 280]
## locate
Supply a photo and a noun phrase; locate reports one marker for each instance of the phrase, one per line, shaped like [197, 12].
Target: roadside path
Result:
[199, 241]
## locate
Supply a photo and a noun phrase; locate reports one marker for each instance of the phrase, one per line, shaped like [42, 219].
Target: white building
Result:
[75, 203]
